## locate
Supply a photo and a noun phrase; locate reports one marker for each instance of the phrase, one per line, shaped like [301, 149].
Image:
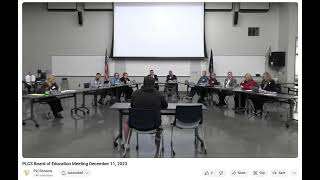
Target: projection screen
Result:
[158, 30]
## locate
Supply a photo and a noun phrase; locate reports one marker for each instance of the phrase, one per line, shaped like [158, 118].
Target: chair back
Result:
[144, 119]
[278, 88]
[188, 114]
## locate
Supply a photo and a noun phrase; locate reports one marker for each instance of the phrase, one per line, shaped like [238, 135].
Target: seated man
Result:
[171, 78]
[127, 90]
[147, 98]
[96, 83]
[156, 85]
[30, 81]
[114, 82]
[247, 84]
[229, 82]
[203, 81]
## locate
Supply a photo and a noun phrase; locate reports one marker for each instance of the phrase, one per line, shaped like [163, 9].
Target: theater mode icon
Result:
[26, 172]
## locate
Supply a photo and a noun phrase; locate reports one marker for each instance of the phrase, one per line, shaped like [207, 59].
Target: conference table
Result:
[38, 98]
[286, 98]
[291, 88]
[123, 109]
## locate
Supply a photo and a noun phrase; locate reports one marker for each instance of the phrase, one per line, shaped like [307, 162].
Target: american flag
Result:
[211, 63]
[106, 69]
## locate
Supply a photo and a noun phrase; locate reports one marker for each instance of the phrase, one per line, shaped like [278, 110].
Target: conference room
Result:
[160, 80]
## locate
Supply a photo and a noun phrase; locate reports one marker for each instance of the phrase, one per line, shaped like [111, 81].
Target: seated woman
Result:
[127, 90]
[247, 84]
[54, 102]
[212, 81]
[267, 84]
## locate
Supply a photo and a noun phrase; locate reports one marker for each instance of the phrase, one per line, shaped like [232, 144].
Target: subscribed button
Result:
[74, 173]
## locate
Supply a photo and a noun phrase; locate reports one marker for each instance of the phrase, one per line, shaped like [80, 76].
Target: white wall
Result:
[288, 31]
[226, 39]
[58, 33]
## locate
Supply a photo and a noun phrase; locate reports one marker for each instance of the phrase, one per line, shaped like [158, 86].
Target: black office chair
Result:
[144, 121]
[189, 117]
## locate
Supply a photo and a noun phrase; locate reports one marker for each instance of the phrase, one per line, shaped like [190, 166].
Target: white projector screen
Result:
[158, 30]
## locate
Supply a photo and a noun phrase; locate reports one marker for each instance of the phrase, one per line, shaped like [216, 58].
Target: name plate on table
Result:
[54, 92]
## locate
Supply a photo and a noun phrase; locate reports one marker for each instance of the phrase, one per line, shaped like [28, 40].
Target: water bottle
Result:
[46, 91]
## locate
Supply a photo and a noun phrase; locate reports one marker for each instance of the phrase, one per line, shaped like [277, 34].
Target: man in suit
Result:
[156, 85]
[172, 77]
[229, 82]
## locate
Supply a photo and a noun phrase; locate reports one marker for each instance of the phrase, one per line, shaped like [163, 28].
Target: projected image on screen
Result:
[158, 30]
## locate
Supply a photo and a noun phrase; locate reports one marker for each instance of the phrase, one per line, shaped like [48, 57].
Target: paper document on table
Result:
[65, 91]
[271, 93]
[267, 94]
[36, 94]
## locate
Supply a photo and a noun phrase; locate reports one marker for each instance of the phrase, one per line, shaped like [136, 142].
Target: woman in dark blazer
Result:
[267, 84]
[127, 90]
[54, 102]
